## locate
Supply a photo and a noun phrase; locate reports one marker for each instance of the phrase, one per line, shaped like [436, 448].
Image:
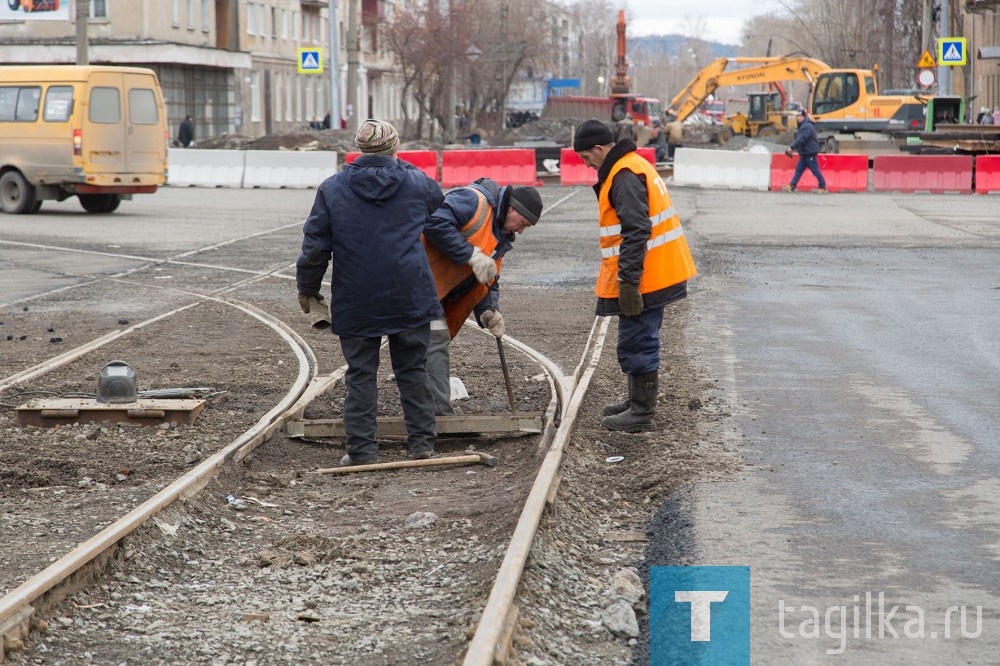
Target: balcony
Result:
[320, 4]
[982, 6]
[373, 11]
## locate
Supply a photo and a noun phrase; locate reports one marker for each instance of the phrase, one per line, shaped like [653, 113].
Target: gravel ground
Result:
[383, 568]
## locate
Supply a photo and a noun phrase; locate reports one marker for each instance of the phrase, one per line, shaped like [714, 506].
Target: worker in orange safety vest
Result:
[489, 217]
[645, 264]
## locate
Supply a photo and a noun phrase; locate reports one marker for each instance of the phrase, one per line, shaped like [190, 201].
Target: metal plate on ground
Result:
[389, 426]
[45, 413]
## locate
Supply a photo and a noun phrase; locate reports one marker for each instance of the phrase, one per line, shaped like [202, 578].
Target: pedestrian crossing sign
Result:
[310, 61]
[952, 51]
[926, 60]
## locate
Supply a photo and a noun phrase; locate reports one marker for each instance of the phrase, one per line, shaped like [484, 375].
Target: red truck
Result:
[609, 109]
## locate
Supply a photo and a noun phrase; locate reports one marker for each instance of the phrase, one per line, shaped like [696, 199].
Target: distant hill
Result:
[672, 45]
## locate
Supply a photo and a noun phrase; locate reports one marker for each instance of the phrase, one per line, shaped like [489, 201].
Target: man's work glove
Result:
[790, 153]
[484, 268]
[314, 306]
[629, 299]
[305, 301]
[493, 321]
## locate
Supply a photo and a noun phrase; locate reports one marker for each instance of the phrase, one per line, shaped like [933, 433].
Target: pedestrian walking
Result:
[488, 218]
[185, 133]
[807, 144]
[366, 224]
[645, 264]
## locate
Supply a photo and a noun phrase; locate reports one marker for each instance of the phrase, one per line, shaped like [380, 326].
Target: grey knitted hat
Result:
[376, 137]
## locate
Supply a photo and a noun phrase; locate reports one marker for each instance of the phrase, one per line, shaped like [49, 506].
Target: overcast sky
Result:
[723, 19]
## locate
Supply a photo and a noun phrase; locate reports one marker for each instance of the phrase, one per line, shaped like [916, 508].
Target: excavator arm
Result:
[621, 82]
[758, 70]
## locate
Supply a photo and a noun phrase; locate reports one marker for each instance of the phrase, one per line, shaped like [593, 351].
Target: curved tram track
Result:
[65, 574]
[503, 547]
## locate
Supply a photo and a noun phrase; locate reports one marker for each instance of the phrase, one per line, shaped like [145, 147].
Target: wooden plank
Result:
[49, 412]
[389, 426]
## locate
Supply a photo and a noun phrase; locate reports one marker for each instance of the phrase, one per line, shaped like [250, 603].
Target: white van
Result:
[95, 132]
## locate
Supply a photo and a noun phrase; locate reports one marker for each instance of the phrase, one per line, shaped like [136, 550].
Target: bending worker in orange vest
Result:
[488, 217]
[645, 264]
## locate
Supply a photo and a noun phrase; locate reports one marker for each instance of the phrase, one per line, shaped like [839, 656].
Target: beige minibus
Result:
[95, 132]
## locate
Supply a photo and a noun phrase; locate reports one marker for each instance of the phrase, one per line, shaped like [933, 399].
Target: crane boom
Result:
[621, 82]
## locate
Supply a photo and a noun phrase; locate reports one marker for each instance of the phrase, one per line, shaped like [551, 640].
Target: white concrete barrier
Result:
[188, 167]
[288, 168]
[722, 168]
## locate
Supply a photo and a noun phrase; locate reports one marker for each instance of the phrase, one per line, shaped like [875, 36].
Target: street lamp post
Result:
[335, 114]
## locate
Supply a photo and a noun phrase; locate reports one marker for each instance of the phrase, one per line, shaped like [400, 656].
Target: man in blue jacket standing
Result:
[366, 224]
[807, 144]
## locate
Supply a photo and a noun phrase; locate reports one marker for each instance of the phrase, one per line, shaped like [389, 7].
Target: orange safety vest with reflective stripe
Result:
[668, 259]
[448, 275]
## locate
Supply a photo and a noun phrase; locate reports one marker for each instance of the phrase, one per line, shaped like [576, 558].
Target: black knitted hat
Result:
[591, 133]
[528, 202]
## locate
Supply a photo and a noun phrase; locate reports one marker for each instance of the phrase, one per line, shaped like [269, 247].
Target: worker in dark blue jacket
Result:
[487, 218]
[366, 223]
[807, 144]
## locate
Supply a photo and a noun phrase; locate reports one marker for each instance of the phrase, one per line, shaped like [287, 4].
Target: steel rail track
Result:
[486, 642]
[17, 606]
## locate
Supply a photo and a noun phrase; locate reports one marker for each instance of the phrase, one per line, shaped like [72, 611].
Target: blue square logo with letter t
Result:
[699, 615]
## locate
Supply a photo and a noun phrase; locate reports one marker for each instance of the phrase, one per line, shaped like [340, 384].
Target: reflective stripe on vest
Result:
[668, 260]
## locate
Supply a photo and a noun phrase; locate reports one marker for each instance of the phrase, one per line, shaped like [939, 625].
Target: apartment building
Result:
[231, 64]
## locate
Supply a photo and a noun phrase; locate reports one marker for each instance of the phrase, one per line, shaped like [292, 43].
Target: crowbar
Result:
[506, 376]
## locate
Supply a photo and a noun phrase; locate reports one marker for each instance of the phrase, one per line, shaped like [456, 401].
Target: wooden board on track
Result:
[49, 412]
[390, 426]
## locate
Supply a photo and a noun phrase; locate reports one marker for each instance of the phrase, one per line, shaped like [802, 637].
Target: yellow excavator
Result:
[767, 115]
[849, 113]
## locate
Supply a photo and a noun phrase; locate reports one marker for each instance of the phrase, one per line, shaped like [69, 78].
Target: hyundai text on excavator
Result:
[613, 108]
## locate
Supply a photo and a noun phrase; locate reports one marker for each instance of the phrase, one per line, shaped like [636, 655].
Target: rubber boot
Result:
[618, 408]
[639, 416]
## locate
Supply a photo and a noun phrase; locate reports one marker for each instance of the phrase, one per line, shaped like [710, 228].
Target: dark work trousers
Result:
[408, 352]
[639, 342]
[812, 163]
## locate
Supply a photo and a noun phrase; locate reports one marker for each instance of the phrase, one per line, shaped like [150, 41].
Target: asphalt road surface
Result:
[856, 340]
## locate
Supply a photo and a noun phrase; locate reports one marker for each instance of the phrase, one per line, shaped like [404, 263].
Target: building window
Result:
[98, 8]
[310, 103]
[206, 15]
[255, 97]
[277, 96]
[175, 12]
[289, 92]
[298, 98]
[251, 23]
[190, 14]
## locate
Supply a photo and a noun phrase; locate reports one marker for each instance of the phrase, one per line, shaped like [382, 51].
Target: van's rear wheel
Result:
[14, 5]
[99, 203]
[16, 195]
